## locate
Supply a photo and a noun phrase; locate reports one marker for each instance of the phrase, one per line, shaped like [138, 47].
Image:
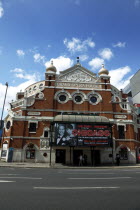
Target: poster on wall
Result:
[64, 134]
[82, 135]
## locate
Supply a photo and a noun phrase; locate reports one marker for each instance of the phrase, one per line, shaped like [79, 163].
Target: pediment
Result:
[77, 74]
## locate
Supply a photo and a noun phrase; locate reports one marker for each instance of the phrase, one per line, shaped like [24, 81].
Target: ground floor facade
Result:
[96, 139]
[92, 156]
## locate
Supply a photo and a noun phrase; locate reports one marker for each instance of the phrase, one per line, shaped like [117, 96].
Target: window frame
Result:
[32, 130]
[121, 135]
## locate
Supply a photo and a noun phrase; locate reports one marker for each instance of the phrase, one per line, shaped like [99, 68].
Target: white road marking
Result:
[9, 174]
[104, 178]
[26, 168]
[93, 170]
[16, 177]
[6, 181]
[131, 170]
[88, 173]
[73, 188]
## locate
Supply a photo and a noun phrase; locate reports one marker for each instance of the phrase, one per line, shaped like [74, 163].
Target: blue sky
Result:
[33, 32]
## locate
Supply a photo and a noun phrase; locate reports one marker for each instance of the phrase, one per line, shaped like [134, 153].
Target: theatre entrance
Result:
[76, 155]
[60, 156]
[95, 157]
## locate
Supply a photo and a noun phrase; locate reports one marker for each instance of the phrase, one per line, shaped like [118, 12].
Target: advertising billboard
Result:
[82, 134]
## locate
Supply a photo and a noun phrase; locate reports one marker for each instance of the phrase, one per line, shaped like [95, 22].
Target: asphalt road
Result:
[62, 189]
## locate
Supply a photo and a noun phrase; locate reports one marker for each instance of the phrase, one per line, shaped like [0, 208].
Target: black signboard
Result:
[82, 134]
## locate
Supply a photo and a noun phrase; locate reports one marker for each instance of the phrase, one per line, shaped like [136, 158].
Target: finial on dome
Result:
[77, 59]
[103, 71]
[51, 68]
[78, 62]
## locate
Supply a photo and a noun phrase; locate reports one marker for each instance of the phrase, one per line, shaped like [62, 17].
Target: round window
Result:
[78, 99]
[62, 98]
[8, 124]
[93, 99]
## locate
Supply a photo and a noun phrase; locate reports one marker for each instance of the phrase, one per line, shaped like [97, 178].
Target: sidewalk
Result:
[59, 166]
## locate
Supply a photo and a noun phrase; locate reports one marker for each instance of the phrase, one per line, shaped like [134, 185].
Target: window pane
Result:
[28, 154]
[93, 99]
[62, 98]
[32, 127]
[32, 154]
[78, 98]
[121, 132]
[45, 133]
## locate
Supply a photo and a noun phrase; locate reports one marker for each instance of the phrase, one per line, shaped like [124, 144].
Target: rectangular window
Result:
[121, 132]
[32, 127]
[45, 133]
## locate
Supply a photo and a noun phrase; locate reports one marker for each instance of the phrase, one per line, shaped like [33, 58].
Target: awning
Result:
[81, 118]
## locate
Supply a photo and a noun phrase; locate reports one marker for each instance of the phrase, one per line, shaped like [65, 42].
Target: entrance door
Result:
[60, 156]
[76, 155]
[95, 157]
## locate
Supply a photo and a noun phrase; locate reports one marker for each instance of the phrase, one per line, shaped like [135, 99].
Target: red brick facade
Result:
[58, 95]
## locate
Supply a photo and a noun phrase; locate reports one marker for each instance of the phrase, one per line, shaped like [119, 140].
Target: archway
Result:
[123, 150]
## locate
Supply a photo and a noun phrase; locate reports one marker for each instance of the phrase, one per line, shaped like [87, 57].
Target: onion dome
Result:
[51, 68]
[103, 71]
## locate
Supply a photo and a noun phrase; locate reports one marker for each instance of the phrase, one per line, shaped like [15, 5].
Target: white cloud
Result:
[11, 93]
[137, 3]
[1, 10]
[106, 53]
[20, 53]
[119, 44]
[20, 73]
[96, 63]
[27, 76]
[77, 45]
[61, 63]
[83, 57]
[18, 70]
[39, 58]
[119, 78]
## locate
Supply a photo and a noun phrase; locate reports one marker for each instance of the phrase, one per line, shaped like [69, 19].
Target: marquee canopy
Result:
[81, 118]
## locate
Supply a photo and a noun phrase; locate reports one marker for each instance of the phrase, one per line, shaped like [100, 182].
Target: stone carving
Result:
[44, 143]
[78, 85]
[41, 95]
[77, 76]
[30, 101]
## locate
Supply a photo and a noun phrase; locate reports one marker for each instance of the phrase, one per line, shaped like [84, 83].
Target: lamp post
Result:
[1, 126]
[4, 103]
